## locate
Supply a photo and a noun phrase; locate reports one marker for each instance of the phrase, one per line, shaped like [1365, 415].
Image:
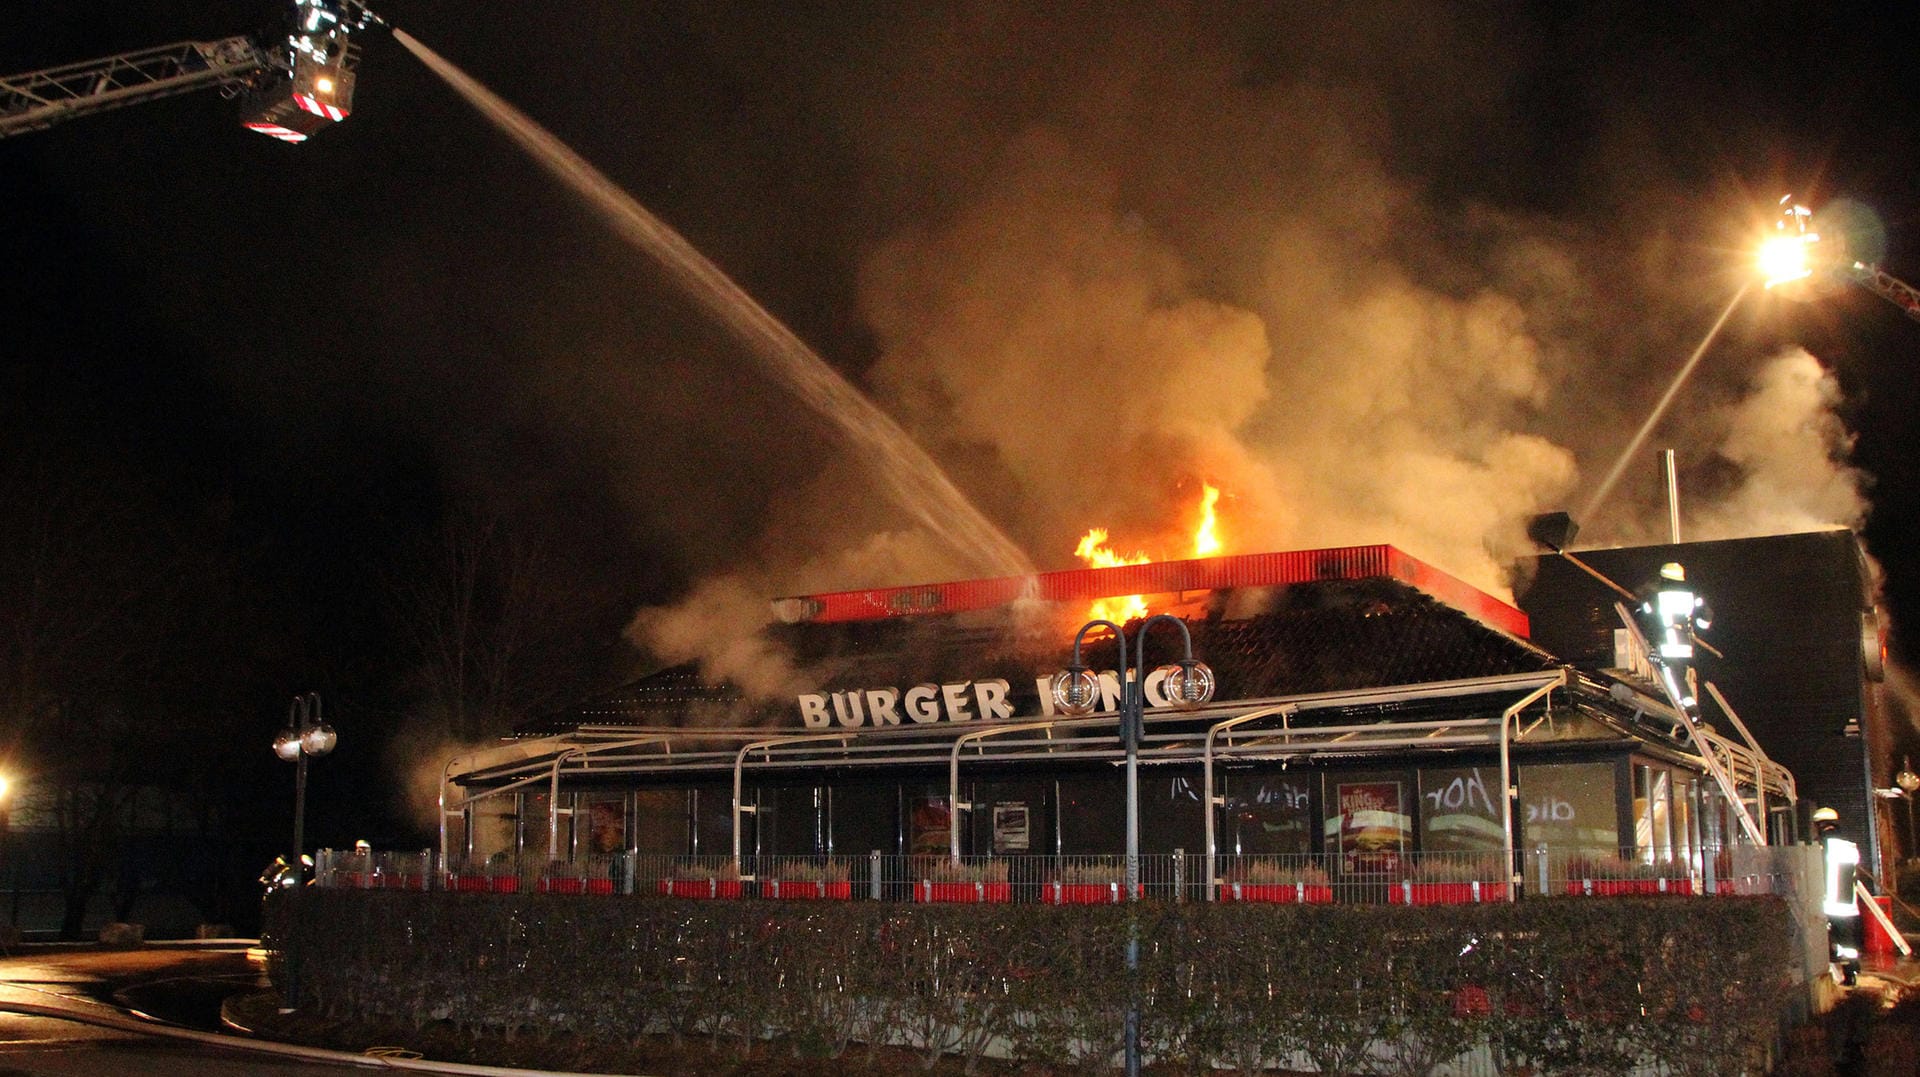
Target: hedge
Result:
[1556, 985]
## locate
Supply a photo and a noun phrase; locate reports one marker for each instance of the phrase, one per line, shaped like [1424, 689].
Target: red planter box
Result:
[599, 886]
[1635, 887]
[1410, 893]
[1084, 893]
[701, 888]
[841, 890]
[402, 882]
[562, 885]
[1277, 893]
[963, 893]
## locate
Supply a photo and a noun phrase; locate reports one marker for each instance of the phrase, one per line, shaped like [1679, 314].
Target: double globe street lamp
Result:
[1076, 689]
[307, 734]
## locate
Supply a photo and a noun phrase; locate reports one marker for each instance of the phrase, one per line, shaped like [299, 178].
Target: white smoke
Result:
[1144, 268]
[1790, 452]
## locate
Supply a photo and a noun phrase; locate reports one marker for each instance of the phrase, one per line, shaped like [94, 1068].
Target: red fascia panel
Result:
[1159, 578]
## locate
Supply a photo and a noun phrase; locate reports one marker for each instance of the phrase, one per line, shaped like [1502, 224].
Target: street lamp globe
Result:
[319, 739]
[1075, 689]
[287, 745]
[1188, 684]
[1907, 780]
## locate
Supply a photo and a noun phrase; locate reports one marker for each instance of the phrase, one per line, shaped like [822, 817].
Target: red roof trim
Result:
[1156, 578]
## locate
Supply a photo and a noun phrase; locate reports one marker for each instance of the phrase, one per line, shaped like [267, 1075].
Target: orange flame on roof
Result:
[1095, 551]
[1206, 537]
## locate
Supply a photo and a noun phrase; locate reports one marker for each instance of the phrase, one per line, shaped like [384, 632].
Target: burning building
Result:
[1372, 714]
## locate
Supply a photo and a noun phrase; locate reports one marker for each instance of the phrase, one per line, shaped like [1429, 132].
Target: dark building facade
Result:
[1800, 657]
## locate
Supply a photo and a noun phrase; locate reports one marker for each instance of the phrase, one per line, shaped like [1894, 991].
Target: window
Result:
[659, 822]
[1460, 810]
[1570, 807]
[1268, 814]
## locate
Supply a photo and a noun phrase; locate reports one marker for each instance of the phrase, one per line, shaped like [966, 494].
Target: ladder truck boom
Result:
[40, 99]
[293, 85]
[1886, 286]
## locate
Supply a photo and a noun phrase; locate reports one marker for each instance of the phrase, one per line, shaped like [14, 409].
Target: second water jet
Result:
[911, 477]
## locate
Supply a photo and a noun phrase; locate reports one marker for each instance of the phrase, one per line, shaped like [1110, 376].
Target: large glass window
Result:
[1652, 814]
[493, 828]
[1093, 816]
[1459, 810]
[1268, 814]
[659, 822]
[791, 820]
[1170, 813]
[1570, 807]
[864, 816]
[713, 822]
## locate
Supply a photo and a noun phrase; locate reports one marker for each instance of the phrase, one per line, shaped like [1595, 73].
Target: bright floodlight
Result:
[1787, 255]
[5, 787]
[1784, 259]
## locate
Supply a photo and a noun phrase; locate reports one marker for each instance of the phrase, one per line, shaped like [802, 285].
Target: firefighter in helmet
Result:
[1837, 902]
[1672, 613]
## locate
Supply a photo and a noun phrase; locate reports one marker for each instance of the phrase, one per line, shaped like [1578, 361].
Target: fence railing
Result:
[1351, 877]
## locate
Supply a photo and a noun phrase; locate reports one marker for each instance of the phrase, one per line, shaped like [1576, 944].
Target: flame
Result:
[1094, 550]
[1206, 537]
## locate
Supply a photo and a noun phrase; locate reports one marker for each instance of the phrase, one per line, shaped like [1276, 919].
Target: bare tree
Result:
[504, 621]
[99, 592]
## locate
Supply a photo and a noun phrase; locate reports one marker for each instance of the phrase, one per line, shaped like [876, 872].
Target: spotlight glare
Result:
[1785, 258]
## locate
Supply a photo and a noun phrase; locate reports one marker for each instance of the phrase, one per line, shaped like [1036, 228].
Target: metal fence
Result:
[1371, 877]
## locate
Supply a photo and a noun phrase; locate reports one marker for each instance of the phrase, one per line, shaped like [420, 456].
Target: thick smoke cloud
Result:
[1790, 453]
[1129, 256]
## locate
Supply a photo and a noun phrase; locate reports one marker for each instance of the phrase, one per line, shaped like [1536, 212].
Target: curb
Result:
[121, 1023]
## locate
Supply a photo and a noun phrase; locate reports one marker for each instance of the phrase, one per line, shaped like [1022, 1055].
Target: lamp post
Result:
[1188, 683]
[307, 734]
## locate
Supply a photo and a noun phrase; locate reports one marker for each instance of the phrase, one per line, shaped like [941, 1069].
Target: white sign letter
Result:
[956, 699]
[991, 696]
[921, 705]
[880, 706]
[813, 711]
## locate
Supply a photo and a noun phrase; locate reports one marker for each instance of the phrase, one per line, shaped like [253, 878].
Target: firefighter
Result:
[1672, 613]
[1842, 911]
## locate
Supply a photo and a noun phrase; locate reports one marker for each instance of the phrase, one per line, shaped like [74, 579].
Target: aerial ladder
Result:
[1796, 252]
[291, 86]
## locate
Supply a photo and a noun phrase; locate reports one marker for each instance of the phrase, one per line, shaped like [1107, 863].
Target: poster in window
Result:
[606, 826]
[1012, 828]
[928, 832]
[1372, 826]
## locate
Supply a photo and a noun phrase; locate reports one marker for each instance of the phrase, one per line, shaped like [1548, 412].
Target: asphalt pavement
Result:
[179, 982]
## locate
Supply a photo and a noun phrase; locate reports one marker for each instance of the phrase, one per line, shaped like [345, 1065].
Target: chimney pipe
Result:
[1673, 496]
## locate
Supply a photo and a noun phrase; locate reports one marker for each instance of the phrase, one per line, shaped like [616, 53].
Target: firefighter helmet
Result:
[1673, 571]
[1826, 817]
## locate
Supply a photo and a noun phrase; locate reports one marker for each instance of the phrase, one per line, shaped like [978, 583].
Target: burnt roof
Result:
[1322, 636]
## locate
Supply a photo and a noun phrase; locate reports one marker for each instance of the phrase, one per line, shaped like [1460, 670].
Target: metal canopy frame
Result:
[1238, 731]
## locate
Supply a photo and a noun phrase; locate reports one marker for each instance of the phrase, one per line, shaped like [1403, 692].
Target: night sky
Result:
[1392, 272]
